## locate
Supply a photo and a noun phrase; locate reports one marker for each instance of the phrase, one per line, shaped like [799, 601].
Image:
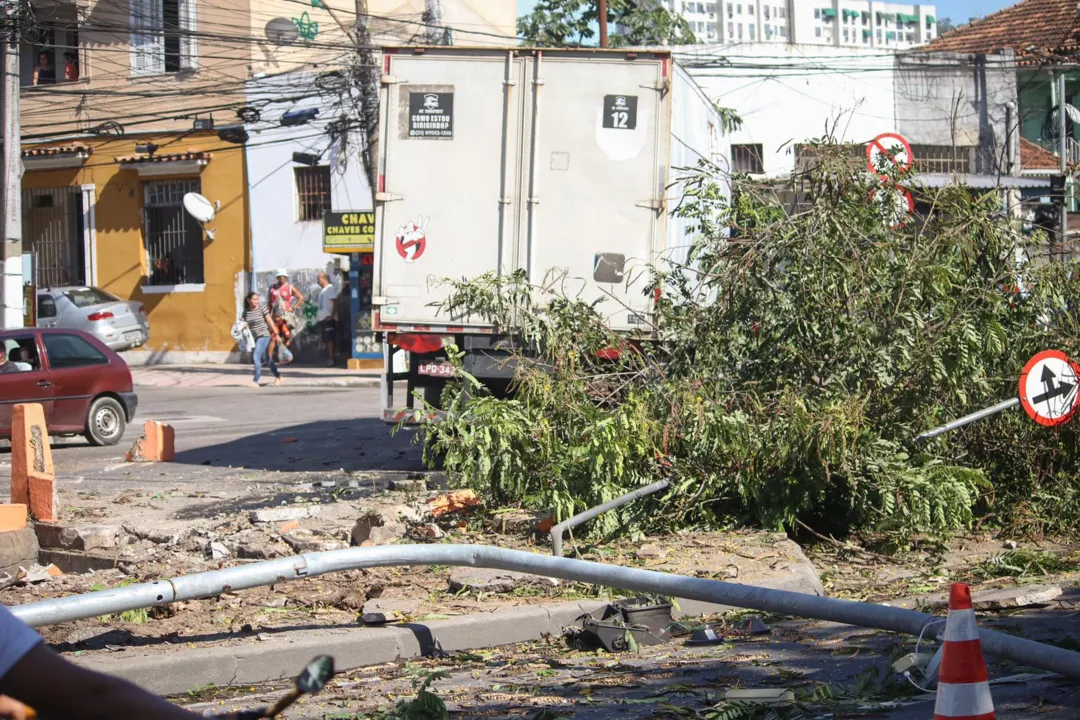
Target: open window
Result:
[162, 36]
[49, 53]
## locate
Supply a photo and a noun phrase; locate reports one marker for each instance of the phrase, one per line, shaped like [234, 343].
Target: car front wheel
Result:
[105, 423]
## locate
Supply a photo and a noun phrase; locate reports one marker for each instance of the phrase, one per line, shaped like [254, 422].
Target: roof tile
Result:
[166, 157]
[73, 149]
[1034, 157]
[1032, 28]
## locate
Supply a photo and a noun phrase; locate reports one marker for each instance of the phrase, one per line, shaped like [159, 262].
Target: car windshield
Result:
[87, 296]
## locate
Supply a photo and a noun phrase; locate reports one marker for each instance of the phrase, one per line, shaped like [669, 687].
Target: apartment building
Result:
[840, 23]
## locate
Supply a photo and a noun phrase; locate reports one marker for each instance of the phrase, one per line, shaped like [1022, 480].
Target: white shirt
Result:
[16, 639]
[326, 303]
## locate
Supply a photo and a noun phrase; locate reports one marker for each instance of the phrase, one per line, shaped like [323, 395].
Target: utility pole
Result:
[433, 31]
[11, 293]
[601, 17]
[1063, 138]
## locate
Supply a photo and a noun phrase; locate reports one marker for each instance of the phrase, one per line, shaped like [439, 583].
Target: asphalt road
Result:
[219, 430]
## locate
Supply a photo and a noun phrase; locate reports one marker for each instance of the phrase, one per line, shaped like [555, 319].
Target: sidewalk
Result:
[240, 375]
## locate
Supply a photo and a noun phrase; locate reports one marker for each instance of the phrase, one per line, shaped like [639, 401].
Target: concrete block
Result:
[18, 548]
[33, 475]
[87, 537]
[12, 517]
[158, 444]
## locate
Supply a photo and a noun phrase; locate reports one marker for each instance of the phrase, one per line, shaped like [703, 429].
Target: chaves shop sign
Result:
[348, 232]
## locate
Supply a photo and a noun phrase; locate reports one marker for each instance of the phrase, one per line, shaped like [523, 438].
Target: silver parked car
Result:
[120, 324]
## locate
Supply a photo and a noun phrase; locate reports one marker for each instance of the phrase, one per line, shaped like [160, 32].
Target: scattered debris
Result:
[626, 624]
[453, 501]
[1015, 597]
[650, 551]
[37, 574]
[433, 531]
[752, 626]
[394, 606]
[218, 551]
[411, 485]
[1010, 545]
[704, 636]
[86, 537]
[377, 529]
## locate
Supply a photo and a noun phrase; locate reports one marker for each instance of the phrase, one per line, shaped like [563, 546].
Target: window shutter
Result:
[189, 46]
[147, 40]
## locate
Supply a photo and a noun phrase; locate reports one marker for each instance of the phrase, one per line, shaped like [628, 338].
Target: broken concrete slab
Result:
[75, 537]
[492, 581]
[398, 606]
[17, 548]
[376, 528]
[1008, 598]
[651, 551]
[73, 561]
[281, 514]
[218, 551]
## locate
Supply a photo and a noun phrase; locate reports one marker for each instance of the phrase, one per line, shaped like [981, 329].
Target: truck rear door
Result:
[449, 138]
[596, 179]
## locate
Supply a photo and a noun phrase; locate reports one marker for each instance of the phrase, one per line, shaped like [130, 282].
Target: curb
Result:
[284, 655]
[359, 382]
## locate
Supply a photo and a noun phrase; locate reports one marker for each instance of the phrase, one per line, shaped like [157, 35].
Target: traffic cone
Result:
[963, 692]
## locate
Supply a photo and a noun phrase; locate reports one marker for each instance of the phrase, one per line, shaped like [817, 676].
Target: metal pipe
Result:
[968, 419]
[558, 531]
[782, 602]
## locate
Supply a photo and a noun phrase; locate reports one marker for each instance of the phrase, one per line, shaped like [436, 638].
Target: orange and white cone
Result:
[963, 692]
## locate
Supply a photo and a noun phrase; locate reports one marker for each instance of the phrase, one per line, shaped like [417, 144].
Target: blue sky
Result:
[958, 10]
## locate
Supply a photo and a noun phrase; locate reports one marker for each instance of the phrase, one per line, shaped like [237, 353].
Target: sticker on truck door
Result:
[411, 240]
[620, 112]
[431, 114]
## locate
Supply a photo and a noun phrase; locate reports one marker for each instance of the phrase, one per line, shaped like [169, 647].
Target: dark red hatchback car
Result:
[84, 387]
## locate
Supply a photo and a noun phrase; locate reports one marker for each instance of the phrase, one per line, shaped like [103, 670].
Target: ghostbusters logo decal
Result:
[411, 240]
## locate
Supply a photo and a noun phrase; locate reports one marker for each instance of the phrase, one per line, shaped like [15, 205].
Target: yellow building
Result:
[98, 212]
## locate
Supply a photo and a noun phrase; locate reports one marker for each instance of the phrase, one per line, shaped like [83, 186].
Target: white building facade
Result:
[839, 23]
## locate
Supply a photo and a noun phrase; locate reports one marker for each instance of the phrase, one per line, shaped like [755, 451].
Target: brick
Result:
[12, 517]
[30, 450]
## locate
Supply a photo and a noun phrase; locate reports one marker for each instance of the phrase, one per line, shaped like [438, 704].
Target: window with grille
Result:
[53, 226]
[174, 239]
[312, 192]
[747, 159]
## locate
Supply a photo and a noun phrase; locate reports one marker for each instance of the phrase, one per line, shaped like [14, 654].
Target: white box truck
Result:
[534, 159]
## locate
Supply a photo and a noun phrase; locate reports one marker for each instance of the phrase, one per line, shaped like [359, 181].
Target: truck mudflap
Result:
[411, 416]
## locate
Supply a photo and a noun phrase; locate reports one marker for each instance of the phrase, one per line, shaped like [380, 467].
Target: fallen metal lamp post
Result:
[968, 419]
[217, 582]
[559, 530]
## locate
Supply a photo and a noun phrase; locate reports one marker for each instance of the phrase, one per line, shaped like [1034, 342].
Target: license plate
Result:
[437, 370]
[133, 337]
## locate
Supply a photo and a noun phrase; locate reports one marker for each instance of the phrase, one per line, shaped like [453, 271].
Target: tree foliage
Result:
[799, 352]
[561, 23]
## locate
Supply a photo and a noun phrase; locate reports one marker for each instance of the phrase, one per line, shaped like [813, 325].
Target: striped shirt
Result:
[256, 321]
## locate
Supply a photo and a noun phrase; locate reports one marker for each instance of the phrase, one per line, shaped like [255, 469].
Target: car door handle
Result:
[44, 383]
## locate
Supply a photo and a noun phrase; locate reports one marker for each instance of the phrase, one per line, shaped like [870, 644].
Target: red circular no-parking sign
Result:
[1048, 388]
[889, 151]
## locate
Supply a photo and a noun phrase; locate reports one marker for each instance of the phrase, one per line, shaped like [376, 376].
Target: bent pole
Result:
[968, 419]
[218, 582]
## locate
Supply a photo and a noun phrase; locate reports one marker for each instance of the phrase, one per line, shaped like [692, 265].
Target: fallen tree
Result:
[800, 351]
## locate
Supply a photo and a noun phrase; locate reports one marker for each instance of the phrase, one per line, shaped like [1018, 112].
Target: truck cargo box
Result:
[564, 161]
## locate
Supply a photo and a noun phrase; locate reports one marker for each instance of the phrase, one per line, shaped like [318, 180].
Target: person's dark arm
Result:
[86, 695]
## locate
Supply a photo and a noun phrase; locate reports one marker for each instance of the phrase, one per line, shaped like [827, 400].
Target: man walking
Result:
[326, 318]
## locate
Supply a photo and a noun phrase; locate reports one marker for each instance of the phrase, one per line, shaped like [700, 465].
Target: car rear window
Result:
[85, 297]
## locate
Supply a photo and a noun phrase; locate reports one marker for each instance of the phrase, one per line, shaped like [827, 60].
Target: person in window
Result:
[71, 67]
[44, 71]
[258, 321]
[284, 298]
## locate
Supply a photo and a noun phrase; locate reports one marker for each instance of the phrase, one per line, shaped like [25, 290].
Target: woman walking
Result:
[257, 318]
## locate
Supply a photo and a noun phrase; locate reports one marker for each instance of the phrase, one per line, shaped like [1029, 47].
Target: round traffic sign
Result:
[889, 151]
[1048, 388]
[897, 205]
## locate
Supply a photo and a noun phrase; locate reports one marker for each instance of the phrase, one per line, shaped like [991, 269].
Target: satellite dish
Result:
[281, 31]
[199, 207]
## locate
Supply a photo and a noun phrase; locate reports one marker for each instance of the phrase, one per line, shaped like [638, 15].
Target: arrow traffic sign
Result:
[1048, 388]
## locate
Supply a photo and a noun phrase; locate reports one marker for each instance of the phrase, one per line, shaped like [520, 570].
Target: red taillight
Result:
[94, 317]
[142, 310]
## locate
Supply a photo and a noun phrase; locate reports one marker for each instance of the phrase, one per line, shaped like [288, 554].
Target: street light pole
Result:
[11, 291]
